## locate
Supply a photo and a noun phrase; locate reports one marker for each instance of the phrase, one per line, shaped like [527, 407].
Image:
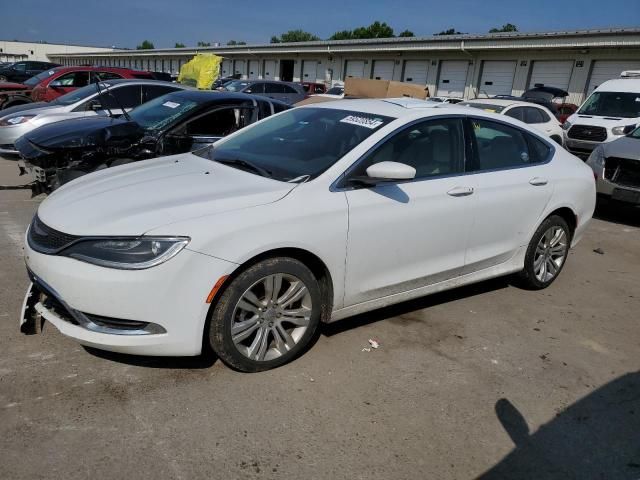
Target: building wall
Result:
[15, 51]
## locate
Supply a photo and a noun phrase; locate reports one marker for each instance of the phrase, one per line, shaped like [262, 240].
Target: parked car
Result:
[55, 82]
[312, 88]
[105, 99]
[450, 100]
[552, 98]
[221, 81]
[164, 76]
[286, 92]
[535, 115]
[616, 166]
[21, 71]
[337, 92]
[612, 110]
[173, 123]
[314, 215]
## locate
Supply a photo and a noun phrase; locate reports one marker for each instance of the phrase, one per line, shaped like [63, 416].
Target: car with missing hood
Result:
[103, 99]
[313, 215]
[173, 123]
[616, 166]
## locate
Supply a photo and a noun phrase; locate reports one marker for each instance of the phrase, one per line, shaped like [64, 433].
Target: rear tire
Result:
[546, 254]
[267, 316]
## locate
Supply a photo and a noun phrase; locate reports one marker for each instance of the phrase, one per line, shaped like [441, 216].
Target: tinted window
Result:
[33, 81]
[105, 76]
[220, 123]
[288, 89]
[256, 88]
[236, 86]
[74, 79]
[125, 97]
[21, 67]
[517, 112]
[280, 107]
[612, 104]
[273, 88]
[533, 115]
[162, 111]
[433, 148]
[503, 146]
[149, 92]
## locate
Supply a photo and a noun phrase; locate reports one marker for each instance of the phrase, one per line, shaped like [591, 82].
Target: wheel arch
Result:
[565, 212]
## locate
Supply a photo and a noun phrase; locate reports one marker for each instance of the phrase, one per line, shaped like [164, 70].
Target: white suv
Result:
[612, 110]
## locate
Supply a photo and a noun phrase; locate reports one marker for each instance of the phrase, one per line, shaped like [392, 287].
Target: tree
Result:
[234, 42]
[342, 35]
[407, 33]
[295, 36]
[375, 30]
[179, 45]
[451, 31]
[509, 27]
[146, 45]
[204, 44]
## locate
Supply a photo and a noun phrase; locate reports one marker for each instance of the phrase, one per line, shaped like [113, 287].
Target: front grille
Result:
[45, 239]
[622, 171]
[116, 323]
[586, 132]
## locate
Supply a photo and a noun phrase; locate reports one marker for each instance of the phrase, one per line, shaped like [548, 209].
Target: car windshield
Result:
[298, 142]
[487, 107]
[33, 81]
[612, 104]
[77, 95]
[236, 86]
[336, 91]
[162, 111]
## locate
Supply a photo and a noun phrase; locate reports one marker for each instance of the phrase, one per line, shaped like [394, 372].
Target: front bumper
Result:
[167, 303]
[9, 135]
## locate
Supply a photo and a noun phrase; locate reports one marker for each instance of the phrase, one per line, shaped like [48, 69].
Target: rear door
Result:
[514, 183]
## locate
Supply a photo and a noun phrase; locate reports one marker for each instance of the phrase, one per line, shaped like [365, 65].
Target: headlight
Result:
[623, 129]
[7, 122]
[566, 125]
[127, 253]
[596, 159]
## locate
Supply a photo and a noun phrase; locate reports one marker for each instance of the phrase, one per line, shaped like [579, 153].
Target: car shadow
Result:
[597, 437]
[617, 212]
[205, 360]
[329, 329]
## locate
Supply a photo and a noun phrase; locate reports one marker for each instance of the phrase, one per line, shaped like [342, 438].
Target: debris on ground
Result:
[599, 251]
[366, 349]
[374, 343]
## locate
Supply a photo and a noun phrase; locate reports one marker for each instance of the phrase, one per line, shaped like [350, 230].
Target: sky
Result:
[125, 24]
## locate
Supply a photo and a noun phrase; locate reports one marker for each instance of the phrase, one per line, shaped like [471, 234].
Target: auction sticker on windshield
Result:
[362, 121]
[171, 104]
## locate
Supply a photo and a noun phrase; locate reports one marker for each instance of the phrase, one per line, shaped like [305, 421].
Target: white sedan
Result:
[538, 116]
[313, 215]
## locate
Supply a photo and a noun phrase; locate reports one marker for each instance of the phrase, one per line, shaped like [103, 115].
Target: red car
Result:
[312, 88]
[52, 83]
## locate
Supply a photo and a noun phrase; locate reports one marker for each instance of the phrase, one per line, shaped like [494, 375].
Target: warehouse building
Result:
[466, 66]
[15, 51]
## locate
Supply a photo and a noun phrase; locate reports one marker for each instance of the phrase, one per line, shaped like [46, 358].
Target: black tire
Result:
[527, 277]
[222, 317]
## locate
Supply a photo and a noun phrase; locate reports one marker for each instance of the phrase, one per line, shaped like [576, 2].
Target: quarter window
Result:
[125, 97]
[501, 146]
[517, 113]
[533, 115]
[74, 79]
[433, 148]
[273, 88]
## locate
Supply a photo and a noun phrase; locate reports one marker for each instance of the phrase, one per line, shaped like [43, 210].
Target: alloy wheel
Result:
[271, 317]
[550, 254]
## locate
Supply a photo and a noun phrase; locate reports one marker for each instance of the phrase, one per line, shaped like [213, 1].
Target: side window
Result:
[220, 123]
[21, 67]
[264, 108]
[273, 88]
[125, 97]
[516, 112]
[74, 79]
[149, 92]
[533, 115]
[102, 76]
[280, 107]
[502, 146]
[319, 89]
[433, 148]
[257, 88]
[288, 89]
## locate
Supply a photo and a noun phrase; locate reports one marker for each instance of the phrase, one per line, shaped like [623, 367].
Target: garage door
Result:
[415, 71]
[553, 73]
[497, 78]
[453, 78]
[309, 70]
[355, 68]
[253, 69]
[239, 67]
[269, 72]
[382, 70]
[604, 70]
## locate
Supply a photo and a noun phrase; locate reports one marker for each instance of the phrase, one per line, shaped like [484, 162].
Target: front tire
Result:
[266, 316]
[546, 254]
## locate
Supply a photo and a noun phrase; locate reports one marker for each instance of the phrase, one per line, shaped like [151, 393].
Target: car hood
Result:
[135, 198]
[625, 147]
[33, 108]
[597, 121]
[81, 133]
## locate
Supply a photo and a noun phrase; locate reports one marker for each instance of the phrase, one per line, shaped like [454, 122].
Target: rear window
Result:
[33, 81]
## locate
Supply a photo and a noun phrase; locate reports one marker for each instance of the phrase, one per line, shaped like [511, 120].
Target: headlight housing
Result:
[596, 159]
[18, 119]
[126, 253]
[623, 129]
[566, 125]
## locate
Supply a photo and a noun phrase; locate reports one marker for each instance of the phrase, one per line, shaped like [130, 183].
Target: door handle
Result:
[538, 181]
[460, 191]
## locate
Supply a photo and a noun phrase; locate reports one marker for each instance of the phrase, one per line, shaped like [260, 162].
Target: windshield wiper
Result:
[244, 164]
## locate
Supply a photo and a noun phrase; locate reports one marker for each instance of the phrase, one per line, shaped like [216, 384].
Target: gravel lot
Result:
[487, 381]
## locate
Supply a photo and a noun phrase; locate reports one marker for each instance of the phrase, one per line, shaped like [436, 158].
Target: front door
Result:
[410, 234]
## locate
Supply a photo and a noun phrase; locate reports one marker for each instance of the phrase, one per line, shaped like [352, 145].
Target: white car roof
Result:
[501, 102]
[391, 107]
[631, 85]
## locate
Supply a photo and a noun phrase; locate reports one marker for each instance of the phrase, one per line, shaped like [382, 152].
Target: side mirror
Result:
[55, 84]
[385, 172]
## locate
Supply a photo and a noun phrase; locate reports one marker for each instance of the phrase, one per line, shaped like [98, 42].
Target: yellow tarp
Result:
[201, 71]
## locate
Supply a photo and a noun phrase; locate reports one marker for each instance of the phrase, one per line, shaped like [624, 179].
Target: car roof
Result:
[145, 81]
[501, 102]
[203, 96]
[76, 68]
[631, 85]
